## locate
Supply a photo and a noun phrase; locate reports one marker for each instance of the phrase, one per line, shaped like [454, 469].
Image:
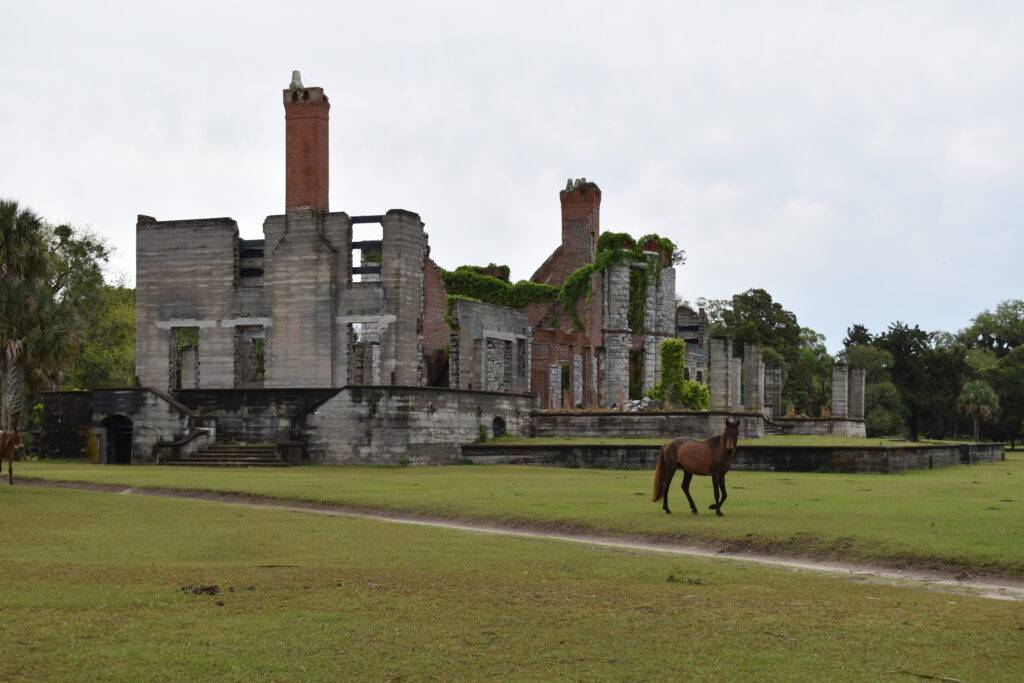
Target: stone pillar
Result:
[403, 258]
[721, 352]
[857, 393]
[554, 386]
[753, 378]
[617, 338]
[773, 389]
[595, 397]
[840, 372]
[735, 386]
[577, 380]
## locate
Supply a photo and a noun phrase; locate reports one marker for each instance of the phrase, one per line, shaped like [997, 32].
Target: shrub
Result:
[674, 390]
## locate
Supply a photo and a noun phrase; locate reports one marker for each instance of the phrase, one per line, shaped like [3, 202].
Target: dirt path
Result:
[988, 588]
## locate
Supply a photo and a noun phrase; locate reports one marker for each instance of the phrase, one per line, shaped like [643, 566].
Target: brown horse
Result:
[9, 442]
[711, 457]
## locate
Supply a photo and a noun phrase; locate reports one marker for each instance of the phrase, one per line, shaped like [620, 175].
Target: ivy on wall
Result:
[476, 283]
[674, 389]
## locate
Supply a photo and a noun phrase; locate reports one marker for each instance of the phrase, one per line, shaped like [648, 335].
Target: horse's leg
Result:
[714, 484]
[687, 476]
[721, 484]
[670, 471]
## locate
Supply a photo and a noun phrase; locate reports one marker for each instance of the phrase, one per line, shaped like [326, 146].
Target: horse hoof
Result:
[668, 512]
[694, 511]
[719, 513]
[712, 507]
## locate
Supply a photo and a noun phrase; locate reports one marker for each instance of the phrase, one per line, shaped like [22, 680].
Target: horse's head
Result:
[731, 435]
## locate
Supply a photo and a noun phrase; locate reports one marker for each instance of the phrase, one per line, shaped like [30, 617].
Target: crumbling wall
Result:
[185, 277]
[488, 348]
[414, 425]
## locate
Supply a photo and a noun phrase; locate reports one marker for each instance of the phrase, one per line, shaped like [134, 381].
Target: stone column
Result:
[617, 338]
[577, 380]
[735, 375]
[554, 386]
[773, 389]
[753, 378]
[721, 352]
[840, 372]
[403, 257]
[857, 393]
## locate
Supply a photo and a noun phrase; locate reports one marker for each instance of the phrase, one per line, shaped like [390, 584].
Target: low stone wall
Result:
[668, 425]
[824, 426]
[414, 425]
[255, 415]
[850, 460]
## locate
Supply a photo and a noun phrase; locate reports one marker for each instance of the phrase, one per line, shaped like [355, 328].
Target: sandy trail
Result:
[988, 588]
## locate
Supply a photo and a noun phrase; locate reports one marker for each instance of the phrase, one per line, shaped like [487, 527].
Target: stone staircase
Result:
[231, 455]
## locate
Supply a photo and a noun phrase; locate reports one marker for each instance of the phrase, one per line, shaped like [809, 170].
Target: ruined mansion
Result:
[334, 336]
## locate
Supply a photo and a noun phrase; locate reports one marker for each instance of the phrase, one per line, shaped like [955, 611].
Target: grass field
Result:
[767, 440]
[93, 590]
[958, 519]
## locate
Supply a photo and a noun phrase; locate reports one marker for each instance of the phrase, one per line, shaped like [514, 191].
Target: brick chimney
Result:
[581, 219]
[306, 113]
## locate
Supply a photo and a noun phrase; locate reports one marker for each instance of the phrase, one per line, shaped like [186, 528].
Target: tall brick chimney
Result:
[581, 219]
[306, 114]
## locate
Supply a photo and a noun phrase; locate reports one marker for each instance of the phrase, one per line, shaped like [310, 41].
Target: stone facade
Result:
[414, 425]
[668, 424]
[488, 348]
[824, 426]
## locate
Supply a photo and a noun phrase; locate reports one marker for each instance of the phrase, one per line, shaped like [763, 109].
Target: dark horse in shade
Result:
[710, 458]
[9, 442]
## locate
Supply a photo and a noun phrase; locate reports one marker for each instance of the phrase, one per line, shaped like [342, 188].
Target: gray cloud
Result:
[861, 162]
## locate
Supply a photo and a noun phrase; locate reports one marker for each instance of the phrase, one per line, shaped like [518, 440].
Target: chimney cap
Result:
[296, 80]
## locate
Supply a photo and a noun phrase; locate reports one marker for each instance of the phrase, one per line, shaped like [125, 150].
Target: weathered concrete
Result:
[823, 426]
[415, 425]
[670, 424]
[488, 347]
[857, 393]
[618, 340]
[735, 382]
[720, 378]
[840, 391]
[773, 390]
[753, 378]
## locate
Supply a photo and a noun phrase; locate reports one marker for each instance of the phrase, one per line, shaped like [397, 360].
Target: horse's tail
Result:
[659, 475]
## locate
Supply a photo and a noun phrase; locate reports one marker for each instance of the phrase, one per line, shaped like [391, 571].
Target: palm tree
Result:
[978, 400]
[24, 265]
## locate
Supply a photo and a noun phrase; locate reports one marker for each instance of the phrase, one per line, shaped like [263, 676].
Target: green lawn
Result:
[767, 440]
[92, 590]
[958, 518]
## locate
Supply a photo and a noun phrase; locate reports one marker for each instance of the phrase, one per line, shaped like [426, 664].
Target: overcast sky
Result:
[863, 162]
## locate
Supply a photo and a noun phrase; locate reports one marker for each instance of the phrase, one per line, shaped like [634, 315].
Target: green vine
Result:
[478, 283]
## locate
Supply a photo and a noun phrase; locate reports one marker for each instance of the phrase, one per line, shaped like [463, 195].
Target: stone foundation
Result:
[691, 425]
[825, 426]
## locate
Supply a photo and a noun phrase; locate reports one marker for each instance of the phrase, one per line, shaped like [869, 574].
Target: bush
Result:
[674, 390]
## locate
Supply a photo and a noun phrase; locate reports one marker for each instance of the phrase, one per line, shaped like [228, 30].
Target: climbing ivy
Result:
[674, 389]
[477, 284]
